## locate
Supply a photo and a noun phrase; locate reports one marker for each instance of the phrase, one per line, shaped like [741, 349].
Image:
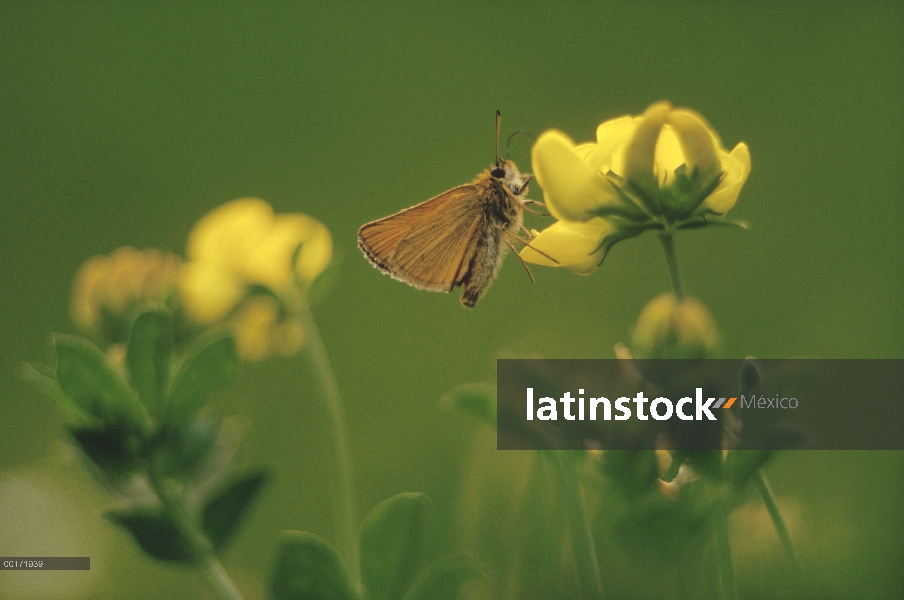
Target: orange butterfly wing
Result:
[429, 246]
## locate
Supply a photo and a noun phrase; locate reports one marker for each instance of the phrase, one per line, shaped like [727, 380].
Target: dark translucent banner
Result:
[821, 404]
[45, 563]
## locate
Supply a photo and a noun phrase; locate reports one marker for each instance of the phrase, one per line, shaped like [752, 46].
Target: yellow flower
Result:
[665, 169]
[245, 264]
[108, 288]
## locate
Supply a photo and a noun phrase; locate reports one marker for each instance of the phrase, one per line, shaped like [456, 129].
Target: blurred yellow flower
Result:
[665, 169]
[107, 289]
[672, 328]
[245, 264]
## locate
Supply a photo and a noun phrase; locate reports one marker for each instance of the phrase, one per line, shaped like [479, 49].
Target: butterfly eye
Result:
[498, 173]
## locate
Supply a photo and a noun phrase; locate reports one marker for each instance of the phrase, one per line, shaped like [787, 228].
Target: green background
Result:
[123, 124]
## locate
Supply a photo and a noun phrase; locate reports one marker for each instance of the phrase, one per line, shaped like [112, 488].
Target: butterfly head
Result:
[506, 172]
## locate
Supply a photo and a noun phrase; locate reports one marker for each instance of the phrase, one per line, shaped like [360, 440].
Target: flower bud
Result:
[669, 328]
[107, 289]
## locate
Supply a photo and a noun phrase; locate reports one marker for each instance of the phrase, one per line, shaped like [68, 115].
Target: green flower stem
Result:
[343, 508]
[726, 561]
[582, 546]
[784, 536]
[666, 238]
[174, 505]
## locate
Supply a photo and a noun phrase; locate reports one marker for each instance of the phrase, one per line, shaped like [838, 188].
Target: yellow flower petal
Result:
[697, 143]
[288, 337]
[640, 153]
[254, 327]
[667, 157]
[226, 235]
[575, 246]
[736, 167]
[570, 188]
[86, 293]
[316, 252]
[208, 294]
[270, 262]
[612, 137]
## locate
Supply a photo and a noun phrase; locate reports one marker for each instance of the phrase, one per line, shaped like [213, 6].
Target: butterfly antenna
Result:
[498, 124]
[508, 142]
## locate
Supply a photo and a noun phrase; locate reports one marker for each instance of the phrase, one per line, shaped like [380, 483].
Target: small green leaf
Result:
[44, 379]
[307, 568]
[182, 451]
[149, 354]
[154, 532]
[86, 376]
[476, 399]
[212, 365]
[443, 579]
[392, 544]
[113, 448]
[226, 508]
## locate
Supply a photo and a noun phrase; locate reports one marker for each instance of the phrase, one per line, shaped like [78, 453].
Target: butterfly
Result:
[457, 239]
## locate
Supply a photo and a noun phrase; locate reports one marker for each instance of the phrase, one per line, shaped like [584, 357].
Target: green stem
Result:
[726, 561]
[202, 549]
[343, 508]
[582, 546]
[666, 238]
[784, 536]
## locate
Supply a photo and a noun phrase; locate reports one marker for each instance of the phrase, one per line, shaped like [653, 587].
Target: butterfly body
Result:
[456, 239]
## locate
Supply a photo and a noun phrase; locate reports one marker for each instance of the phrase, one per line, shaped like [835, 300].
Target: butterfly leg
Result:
[527, 201]
[524, 264]
[527, 243]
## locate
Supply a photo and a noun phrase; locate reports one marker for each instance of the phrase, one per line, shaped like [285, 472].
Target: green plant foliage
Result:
[392, 545]
[741, 465]
[443, 579]
[211, 366]
[226, 509]
[307, 568]
[44, 378]
[634, 473]
[88, 378]
[113, 448]
[155, 532]
[149, 355]
[184, 451]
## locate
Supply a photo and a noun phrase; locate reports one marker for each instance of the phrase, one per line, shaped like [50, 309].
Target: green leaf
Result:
[149, 354]
[154, 532]
[225, 509]
[113, 448]
[476, 399]
[212, 365]
[183, 451]
[86, 375]
[443, 579]
[307, 568]
[392, 544]
[44, 379]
